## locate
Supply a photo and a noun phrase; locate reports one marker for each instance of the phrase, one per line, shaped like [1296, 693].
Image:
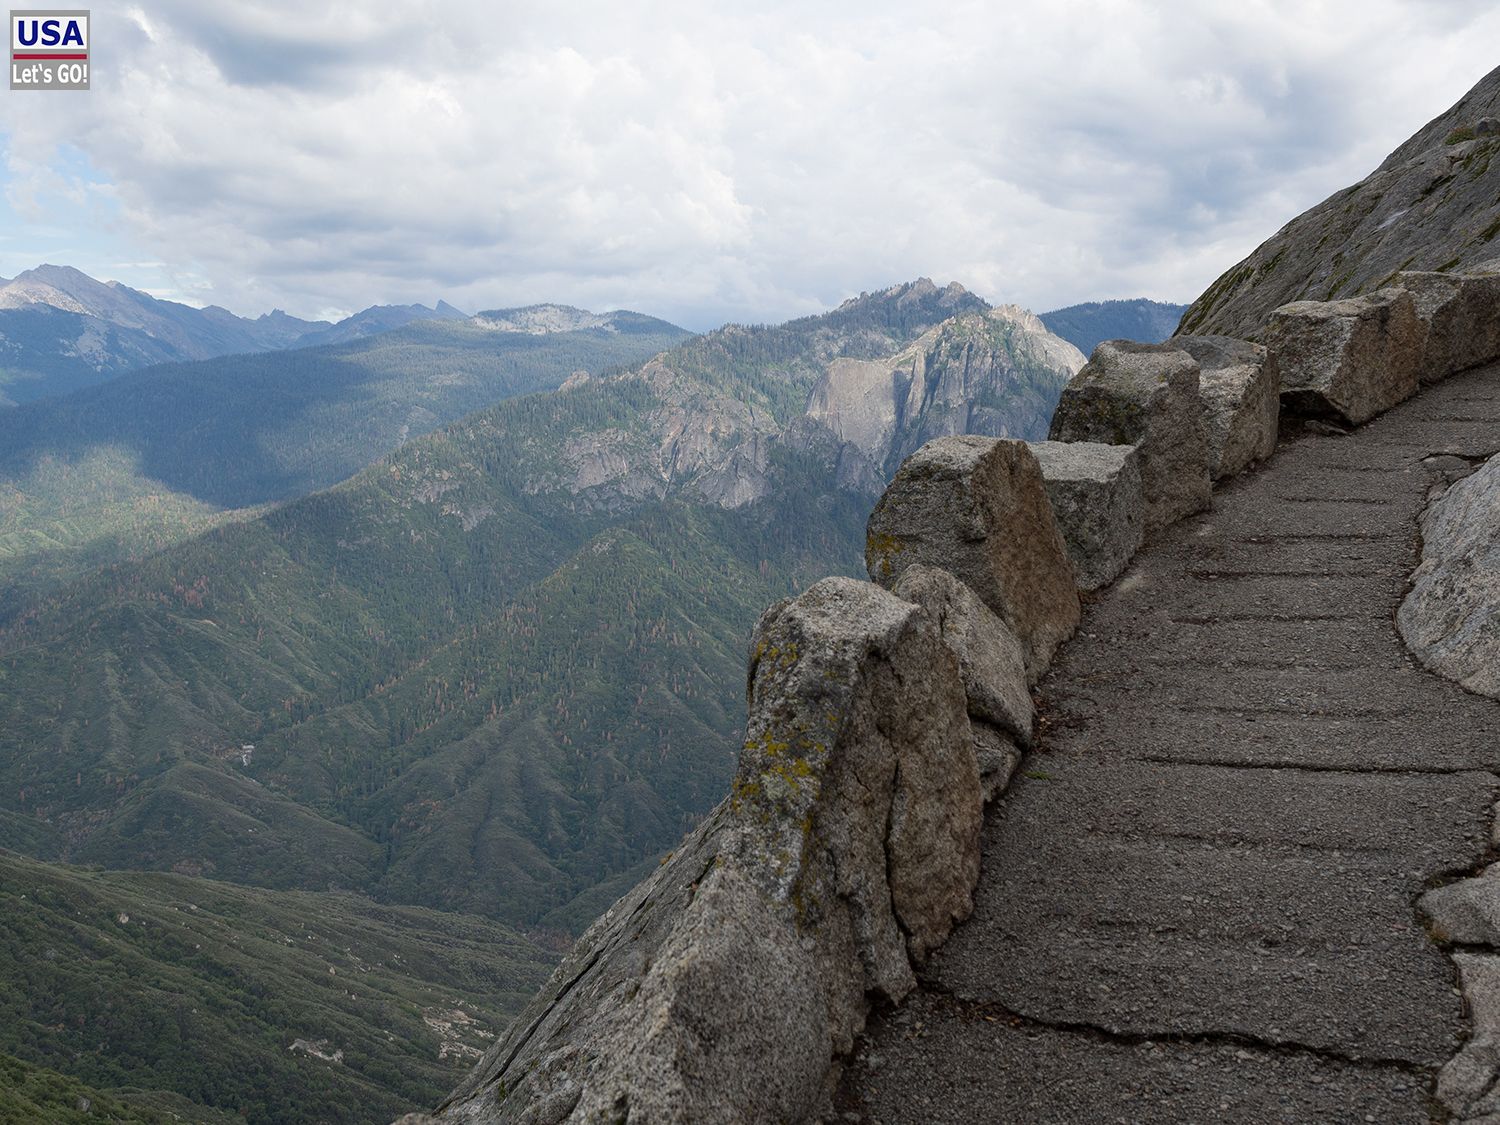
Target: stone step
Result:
[1269, 738]
[1256, 903]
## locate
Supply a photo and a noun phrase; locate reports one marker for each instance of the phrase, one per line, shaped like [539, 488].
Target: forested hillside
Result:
[167, 998]
[498, 669]
[1086, 326]
[452, 685]
[151, 458]
[496, 672]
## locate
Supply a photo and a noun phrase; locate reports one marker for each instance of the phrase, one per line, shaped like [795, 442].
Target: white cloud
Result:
[706, 161]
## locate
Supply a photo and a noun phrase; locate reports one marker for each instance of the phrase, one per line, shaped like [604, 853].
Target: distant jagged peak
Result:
[80, 286]
[542, 319]
[281, 316]
[1051, 347]
[72, 290]
[1020, 317]
[1044, 344]
[951, 296]
[24, 292]
[60, 276]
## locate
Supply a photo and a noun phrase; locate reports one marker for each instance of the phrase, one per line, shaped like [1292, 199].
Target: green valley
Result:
[167, 998]
[148, 459]
[496, 673]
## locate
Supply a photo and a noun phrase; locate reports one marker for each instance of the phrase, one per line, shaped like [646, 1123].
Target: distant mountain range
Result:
[1087, 326]
[144, 460]
[375, 320]
[501, 668]
[496, 671]
[61, 330]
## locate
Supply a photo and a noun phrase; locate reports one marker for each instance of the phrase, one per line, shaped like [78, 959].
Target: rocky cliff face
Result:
[1434, 204]
[996, 373]
[857, 397]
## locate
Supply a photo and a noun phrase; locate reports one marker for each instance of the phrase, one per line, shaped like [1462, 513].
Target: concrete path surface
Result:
[1197, 898]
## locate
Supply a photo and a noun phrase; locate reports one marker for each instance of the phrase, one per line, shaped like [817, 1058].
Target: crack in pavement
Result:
[1245, 842]
[999, 1013]
[1310, 767]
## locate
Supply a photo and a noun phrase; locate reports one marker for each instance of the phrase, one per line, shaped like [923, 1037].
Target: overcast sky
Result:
[709, 161]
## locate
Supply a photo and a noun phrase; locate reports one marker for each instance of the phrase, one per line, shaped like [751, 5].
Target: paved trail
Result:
[1197, 898]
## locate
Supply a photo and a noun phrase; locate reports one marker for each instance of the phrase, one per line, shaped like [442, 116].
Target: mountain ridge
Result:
[152, 456]
[1089, 324]
[495, 672]
[1433, 204]
[62, 331]
[440, 661]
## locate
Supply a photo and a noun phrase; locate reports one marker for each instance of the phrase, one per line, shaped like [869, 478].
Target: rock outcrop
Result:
[1466, 912]
[723, 987]
[1451, 617]
[1240, 384]
[1146, 395]
[857, 389]
[1095, 490]
[990, 659]
[1433, 204]
[1347, 360]
[996, 373]
[978, 508]
[1462, 314]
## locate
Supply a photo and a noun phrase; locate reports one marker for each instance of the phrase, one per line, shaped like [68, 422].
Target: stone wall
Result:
[881, 715]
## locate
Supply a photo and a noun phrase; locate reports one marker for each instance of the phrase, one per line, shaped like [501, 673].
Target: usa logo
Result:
[49, 50]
